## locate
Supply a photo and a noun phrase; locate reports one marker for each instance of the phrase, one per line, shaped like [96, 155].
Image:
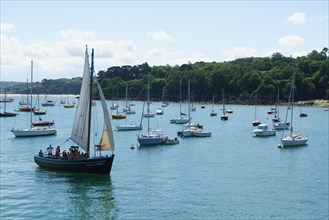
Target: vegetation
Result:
[242, 79]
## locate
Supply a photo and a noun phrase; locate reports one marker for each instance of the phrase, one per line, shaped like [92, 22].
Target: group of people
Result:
[74, 153]
[57, 152]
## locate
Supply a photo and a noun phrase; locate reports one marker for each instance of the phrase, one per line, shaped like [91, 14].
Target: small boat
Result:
[192, 129]
[255, 122]
[128, 110]
[83, 162]
[119, 116]
[33, 131]
[171, 141]
[294, 138]
[302, 114]
[129, 127]
[6, 99]
[39, 112]
[280, 125]
[159, 111]
[43, 123]
[213, 113]
[5, 113]
[224, 116]
[182, 119]
[48, 103]
[69, 105]
[153, 136]
[262, 130]
[26, 109]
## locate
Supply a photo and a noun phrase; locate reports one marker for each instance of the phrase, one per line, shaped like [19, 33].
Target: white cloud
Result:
[63, 59]
[297, 18]
[239, 52]
[6, 26]
[291, 41]
[161, 36]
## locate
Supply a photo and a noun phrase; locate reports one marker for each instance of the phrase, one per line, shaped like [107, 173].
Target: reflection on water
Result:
[86, 196]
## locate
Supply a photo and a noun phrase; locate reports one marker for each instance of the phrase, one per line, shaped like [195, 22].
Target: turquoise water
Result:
[231, 175]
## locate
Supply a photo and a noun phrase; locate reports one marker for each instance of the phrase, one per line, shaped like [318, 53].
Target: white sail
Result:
[79, 132]
[106, 142]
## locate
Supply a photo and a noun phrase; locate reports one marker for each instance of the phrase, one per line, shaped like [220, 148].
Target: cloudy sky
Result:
[54, 33]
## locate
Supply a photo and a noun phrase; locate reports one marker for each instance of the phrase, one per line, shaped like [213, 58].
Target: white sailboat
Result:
[153, 136]
[255, 122]
[213, 113]
[294, 138]
[148, 113]
[131, 126]
[5, 113]
[224, 116]
[182, 119]
[278, 124]
[33, 131]
[192, 130]
[128, 110]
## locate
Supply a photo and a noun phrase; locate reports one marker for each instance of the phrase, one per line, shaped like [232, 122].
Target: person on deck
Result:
[50, 151]
[58, 152]
[64, 154]
[40, 153]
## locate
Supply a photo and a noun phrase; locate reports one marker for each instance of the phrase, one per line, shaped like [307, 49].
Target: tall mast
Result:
[292, 103]
[90, 98]
[31, 92]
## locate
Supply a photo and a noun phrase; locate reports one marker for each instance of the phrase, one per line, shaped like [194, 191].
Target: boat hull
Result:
[35, 131]
[128, 127]
[7, 114]
[150, 140]
[290, 141]
[97, 165]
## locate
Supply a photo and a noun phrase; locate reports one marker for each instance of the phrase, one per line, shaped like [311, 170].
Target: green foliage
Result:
[243, 79]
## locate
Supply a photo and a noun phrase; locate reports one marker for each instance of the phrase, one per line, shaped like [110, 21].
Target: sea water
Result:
[230, 175]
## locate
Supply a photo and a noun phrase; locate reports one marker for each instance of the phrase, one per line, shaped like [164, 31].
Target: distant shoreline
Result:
[315, 102]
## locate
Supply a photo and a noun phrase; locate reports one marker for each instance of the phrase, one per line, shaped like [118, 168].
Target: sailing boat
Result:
[182, 119]
[4, 113]
[277, 123]
[39, 112]
[115, 105]
[130, 126]
[302, 114]
[224, 116]
[294, 138]
[75, 161]
[148, 113]
[48, 102]
[192, 129]
[256, 122]
[213, 113]
[127, 109]
[69, 104]
[153, 136]
[33, 131]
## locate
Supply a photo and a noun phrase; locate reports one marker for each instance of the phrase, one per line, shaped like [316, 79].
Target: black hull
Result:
[97, 165]
[7, 114]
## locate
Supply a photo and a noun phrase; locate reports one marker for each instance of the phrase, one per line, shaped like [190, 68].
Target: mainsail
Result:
[79, 132]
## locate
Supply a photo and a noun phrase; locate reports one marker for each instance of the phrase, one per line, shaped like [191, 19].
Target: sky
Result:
[54, 33]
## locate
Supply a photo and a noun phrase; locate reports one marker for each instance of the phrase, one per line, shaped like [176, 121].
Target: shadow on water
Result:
[86, 196]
